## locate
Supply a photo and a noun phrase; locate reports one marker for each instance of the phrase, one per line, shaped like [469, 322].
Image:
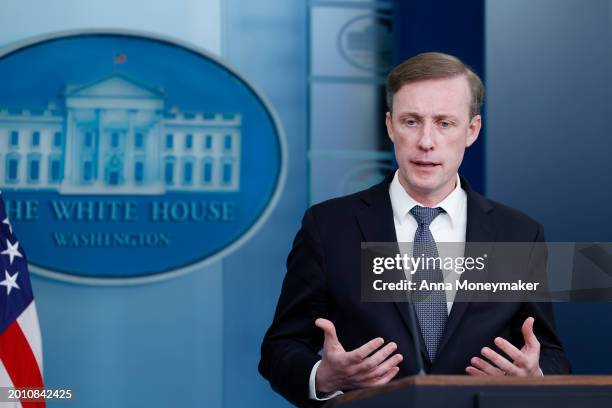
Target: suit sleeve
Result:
[291, 345]
[552, 357]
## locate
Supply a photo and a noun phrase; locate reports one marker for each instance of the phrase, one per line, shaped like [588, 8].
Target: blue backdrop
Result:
[194, 340]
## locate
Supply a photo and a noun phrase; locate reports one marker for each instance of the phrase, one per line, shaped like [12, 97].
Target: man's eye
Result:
[410, 122]
[444, 124]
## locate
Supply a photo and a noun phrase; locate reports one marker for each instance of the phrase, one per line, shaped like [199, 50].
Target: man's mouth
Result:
[424, 163]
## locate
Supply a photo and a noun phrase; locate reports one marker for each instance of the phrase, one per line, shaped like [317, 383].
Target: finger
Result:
[371, 362]
[501, 362]
[518, 357]
[475, 372]
[329, 330]
[359, 354]
[530, 338]
[485, 366]
[381, 369]
[384, 379]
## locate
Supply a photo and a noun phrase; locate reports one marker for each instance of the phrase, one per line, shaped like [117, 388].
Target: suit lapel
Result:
[479, 228]
[376, 223]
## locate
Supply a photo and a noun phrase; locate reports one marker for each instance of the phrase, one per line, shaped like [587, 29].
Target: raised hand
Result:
[366, 366]
[525, 362]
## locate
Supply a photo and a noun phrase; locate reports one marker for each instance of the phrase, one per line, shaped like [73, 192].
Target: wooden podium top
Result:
[466, 380]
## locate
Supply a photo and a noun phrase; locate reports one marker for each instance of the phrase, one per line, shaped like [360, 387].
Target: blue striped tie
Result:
[430, 306]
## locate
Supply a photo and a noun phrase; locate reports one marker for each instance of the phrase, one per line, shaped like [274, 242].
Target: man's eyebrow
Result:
[440, 116]
[410, 114]
[446, 116]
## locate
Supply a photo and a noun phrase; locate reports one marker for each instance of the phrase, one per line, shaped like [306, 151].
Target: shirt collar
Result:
[402, 202]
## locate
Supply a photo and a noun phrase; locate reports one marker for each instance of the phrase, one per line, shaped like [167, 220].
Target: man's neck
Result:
[432, 198]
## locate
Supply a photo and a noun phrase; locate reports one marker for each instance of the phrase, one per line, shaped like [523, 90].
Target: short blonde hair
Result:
[434, 65]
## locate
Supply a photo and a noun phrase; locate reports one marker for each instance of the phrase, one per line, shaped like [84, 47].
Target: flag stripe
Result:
[28, 321]
[5, 381]
[19, 360]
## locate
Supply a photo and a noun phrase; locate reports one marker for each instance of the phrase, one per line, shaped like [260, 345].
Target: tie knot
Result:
[425, 215]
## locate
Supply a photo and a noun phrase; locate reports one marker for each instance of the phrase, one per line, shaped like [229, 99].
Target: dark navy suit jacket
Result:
[323, 280]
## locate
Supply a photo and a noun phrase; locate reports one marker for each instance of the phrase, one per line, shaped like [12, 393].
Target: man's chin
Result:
[423, 187]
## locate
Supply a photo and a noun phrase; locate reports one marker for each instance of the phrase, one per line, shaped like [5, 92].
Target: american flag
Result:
[20, 341]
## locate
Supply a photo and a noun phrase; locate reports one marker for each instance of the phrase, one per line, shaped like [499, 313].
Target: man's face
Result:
[430, 128]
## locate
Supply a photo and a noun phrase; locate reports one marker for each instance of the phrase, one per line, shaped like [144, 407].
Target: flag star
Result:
[10, 282]
[6, 221]
[12, 250]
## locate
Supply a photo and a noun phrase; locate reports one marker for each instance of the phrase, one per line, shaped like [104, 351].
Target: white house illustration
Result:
[115, 136]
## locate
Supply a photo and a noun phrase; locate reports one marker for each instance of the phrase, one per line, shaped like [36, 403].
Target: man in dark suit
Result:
[434, 115]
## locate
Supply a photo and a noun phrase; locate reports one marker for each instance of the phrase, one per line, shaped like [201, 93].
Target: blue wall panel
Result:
[548, 146]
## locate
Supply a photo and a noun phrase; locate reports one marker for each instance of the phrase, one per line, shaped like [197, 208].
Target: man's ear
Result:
[388, 120]
[473, 130]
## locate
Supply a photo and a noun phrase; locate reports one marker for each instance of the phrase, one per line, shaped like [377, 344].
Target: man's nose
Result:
[426, 138]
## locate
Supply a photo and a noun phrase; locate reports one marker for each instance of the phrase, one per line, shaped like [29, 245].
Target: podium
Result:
[462, 391]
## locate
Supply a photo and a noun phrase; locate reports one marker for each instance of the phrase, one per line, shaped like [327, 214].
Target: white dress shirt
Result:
[449, 226]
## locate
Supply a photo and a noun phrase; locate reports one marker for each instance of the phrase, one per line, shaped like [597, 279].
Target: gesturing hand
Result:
[525, 362]
[362, 367]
